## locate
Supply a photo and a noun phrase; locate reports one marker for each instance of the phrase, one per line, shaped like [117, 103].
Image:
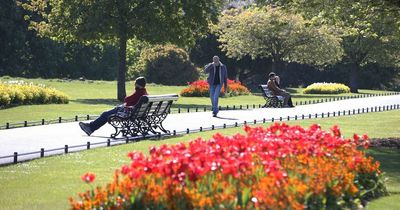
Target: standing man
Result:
[140, 90]
[217, 76]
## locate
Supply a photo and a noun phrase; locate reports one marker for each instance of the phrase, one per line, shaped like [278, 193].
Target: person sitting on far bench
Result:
[274, 87]
[131, 100]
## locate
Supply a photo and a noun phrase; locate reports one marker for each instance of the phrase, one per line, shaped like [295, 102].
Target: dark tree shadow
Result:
[105, 101]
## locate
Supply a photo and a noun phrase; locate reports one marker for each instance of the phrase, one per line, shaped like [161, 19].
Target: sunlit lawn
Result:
[94, 97]
[47, 183]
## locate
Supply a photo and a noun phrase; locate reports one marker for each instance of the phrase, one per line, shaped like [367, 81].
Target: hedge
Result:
[21, 93]
[326, 88]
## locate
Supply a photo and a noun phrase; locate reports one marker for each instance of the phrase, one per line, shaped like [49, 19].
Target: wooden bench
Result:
[271, 99]
[143, 118]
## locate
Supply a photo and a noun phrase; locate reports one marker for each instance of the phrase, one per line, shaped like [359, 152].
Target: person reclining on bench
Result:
[274, 87]
[140, 90]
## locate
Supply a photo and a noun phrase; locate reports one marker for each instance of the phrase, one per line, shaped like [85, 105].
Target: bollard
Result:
[179, 110]
[263, 120]
[316, 115]
[76, 118]
[240, 107]
[224, 126]
[302, 116]
[227, 107]
[245, 122]
[188, 109]
[201, 129]
[272, 120]
[7, 125]
[205, 109]
[41, 152]
[338, 113]
[187, 130]
[328, 114]
[247, 106]
[288, 118]
[59, 119]
[322, 115]
[254, 106]
[309, 116]
[212, 127]
[255, 121]
[15, 157]
[295, 117]
[236, 124]
[88, 145]
[108, 142]
[87, 117]
[66, 149]
[25, 123]
[126, 140]
[42, 121]
[197, 109]
[174, 132]
[234, 107]
[334, 114]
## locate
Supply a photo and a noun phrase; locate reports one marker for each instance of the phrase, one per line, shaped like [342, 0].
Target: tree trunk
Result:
[354, 78]
[121, 91]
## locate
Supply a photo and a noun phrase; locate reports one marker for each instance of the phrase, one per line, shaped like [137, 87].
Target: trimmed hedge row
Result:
[326, 88]
[20, 93]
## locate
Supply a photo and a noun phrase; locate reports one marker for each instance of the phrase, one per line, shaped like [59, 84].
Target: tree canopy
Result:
[154, 21]
[274, 33]
[370, 30]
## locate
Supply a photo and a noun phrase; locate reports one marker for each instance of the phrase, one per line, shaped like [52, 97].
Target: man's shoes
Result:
[214, 114]
[86, 128]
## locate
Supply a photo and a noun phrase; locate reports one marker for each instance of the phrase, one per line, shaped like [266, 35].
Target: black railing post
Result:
[87, 117]
[174, 132]
[42, 121]
[7, 125]
[15, 157]
[255, 121]
[88, 145]
[187, 130]
[212, 127]
[108, 142]
[42, 152]
[66, 149]
[76, 118]
[179, 110]
[201, 129]
[59, 119]
[25, 123]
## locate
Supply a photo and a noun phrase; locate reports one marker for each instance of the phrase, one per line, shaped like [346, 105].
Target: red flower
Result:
[88, 177]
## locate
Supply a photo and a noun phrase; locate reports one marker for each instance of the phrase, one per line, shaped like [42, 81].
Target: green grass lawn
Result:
[94, 97]
[47, 183]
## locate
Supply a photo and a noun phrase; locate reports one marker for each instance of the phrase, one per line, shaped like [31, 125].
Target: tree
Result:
[370, 29]
[117, 21]
[271, 32]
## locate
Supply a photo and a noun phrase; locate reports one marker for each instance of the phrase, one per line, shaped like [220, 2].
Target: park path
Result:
[53, 136]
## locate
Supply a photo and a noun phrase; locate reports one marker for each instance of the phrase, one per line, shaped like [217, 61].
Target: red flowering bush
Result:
[279, 167]
[200, 88]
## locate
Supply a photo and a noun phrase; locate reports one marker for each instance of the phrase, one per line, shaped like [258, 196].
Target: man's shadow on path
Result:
[226, 118]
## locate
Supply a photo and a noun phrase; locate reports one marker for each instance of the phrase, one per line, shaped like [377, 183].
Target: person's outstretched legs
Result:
[89, 128]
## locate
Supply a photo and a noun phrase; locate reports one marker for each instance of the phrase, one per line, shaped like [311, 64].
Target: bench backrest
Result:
[153, 105]
[267, 93]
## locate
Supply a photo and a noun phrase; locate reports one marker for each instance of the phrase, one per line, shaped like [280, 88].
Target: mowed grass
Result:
[47, 183]
[94, 97]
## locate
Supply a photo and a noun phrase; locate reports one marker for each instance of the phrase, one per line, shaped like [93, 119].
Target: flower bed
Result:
[279, 167]
[20, 92]
[199, 88]
[326, 88]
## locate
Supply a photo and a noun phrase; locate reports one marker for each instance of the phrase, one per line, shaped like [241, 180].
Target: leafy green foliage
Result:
[274, 33]
[165, 64]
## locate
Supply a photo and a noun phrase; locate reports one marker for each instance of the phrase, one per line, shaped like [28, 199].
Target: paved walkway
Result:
[32, 139]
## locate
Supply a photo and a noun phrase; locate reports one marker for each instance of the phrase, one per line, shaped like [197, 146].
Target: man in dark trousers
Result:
[140, 90]
[217, 77]
[274, 87]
